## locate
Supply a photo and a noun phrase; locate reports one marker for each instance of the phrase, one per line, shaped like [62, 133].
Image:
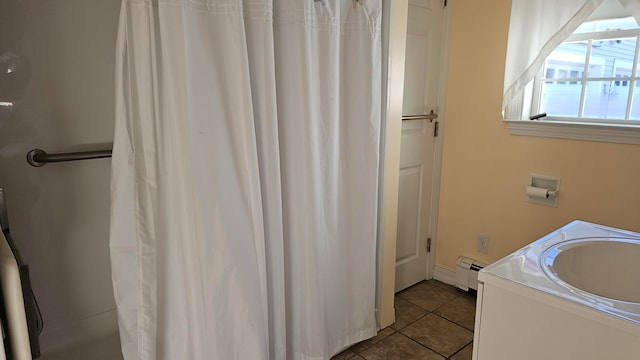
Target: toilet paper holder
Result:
[543, 189]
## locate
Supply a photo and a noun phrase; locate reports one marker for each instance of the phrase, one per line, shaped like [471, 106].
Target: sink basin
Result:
[572, 294]
[606, 267]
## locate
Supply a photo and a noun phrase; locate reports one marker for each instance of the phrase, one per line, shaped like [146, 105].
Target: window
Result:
[593, 75]
[589, 86]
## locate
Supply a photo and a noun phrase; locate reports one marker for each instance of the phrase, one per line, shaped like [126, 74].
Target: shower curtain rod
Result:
[39, 157]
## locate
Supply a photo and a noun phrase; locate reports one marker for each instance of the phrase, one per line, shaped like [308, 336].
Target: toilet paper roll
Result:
[537, 193]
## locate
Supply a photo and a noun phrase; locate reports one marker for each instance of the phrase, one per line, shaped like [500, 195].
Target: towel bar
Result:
[38, 157]
[430, 116]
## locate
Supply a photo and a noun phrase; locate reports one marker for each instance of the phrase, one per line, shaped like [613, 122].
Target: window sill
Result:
[623, 134]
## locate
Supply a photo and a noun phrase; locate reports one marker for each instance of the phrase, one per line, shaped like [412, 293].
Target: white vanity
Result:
[573, 294]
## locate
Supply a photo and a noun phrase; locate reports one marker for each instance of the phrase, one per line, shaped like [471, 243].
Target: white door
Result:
[421, 86]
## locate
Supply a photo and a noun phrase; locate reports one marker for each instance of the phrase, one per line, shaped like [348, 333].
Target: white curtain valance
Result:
[536, 29]
[632, 7]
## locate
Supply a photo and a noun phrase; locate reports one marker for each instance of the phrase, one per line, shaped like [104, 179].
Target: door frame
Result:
[442, 115]
[394, 49]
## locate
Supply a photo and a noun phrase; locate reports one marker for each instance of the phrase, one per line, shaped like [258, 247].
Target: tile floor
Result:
[434, 321]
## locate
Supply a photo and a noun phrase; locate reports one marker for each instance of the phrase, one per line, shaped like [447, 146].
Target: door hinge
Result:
[444, 3]
[435, 129]
[428, 244]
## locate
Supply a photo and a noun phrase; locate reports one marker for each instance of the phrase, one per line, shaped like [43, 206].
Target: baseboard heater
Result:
[467, 273]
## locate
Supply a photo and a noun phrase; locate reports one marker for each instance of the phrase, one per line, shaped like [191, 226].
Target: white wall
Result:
[62, 56]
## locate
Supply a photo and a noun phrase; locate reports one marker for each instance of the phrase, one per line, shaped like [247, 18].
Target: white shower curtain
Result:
[244, 185]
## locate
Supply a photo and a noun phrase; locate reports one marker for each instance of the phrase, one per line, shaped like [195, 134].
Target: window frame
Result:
[590, 129]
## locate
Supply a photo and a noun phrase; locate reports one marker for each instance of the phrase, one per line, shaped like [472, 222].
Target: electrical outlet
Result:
[483, 243]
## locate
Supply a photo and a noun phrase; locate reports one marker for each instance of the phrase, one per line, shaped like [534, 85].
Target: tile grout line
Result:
[359, 352]
[445, 319]
[414, 321]
[459, 350]
[437, 308]
[457, 294]
[425, 346]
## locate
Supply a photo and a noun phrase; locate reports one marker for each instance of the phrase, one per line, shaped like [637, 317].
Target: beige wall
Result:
[485, 169]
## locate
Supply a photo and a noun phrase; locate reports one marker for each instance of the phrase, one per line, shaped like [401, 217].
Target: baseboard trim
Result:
[444, 275]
